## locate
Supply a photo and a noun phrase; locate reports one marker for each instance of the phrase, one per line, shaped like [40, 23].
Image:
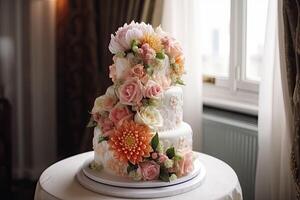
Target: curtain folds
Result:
[83, 31]
[274, 178]
[291, 22]
[184, 28]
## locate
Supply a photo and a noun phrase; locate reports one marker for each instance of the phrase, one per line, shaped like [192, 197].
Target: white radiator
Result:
[233, 138]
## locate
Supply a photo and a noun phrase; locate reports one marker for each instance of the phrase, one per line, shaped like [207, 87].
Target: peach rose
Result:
[119, 113]
[104, 103]
[130, 93]
[105, 124]
[150, 170]
[137, 71]
[152, 90]
[185, 165]
[172, 47]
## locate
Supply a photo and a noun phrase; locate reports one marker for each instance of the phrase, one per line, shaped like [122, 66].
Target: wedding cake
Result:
[138, 127]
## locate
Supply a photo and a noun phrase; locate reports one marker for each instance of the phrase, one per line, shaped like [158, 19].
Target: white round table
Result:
[59, 182]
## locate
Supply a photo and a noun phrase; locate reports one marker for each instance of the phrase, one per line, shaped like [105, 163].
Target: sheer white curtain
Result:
[179, 19]
[273, 176]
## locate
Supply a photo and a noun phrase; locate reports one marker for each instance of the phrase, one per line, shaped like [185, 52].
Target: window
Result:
[232, 44]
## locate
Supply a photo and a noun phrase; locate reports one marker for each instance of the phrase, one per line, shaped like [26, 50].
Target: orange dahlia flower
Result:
[131, 142]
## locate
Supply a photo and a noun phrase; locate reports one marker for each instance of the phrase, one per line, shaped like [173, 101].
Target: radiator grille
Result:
[235, 142]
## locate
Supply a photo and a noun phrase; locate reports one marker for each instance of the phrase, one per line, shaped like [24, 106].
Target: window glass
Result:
[215, 37]
[256, 26]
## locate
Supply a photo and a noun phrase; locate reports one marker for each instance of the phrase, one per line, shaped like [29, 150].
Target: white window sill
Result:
[231, 105]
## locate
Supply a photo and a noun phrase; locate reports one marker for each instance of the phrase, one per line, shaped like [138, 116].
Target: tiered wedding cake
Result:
[139, 132]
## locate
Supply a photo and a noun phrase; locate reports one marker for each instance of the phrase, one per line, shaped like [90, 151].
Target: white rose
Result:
[105, 102]
[149, 116]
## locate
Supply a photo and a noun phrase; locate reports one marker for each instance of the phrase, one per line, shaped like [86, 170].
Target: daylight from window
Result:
[215, 27]
[256, 26]
[214, 23]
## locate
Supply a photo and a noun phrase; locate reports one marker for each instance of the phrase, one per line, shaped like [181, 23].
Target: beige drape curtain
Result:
[291, 53]
[83, 34]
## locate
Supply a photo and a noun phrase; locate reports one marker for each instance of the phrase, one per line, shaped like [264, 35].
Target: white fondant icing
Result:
[171, 108]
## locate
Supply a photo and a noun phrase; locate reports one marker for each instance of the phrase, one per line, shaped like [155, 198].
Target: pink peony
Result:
[137, 71]
[150, 170]
[185, 165]
[152, 90]
[119, 113]
[112, 72]
[130, 93]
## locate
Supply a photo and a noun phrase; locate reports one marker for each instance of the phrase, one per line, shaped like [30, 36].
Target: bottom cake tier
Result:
[173, 157]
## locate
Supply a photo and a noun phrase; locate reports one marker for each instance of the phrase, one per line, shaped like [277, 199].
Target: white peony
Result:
[123, 38]
[149, 116]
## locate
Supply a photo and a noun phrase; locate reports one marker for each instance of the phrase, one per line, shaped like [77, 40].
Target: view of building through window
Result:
[256, 26]
[215, 37]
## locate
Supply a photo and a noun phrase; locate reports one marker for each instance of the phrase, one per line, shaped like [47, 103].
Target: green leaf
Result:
[179, 81]
[177, 157]
[170, 152]
[131, 167]
[154, 142]
[149, 71]
[134, 43]
[164, 174]
[102, 138]
[91, 123]
[160, 55]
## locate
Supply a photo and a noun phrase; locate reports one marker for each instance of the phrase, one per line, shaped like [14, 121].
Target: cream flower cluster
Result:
[146, 62]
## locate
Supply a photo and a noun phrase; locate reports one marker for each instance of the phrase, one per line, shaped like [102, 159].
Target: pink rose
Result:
[162, 158]
[130, 93]
[137, 71]
[146, 52]
[119, 113]
[152, 90]
[150, 170]
[154, 155]
[112, 72]
[185, 165]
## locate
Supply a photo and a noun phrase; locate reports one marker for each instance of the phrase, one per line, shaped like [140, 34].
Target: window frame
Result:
[235, 92]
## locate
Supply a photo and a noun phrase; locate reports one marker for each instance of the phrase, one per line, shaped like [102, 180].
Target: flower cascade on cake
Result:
[146, 63]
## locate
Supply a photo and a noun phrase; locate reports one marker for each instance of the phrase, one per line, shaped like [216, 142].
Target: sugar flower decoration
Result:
[131, 142]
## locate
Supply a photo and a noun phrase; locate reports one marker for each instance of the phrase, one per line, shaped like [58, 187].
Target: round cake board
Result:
[143, 192]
